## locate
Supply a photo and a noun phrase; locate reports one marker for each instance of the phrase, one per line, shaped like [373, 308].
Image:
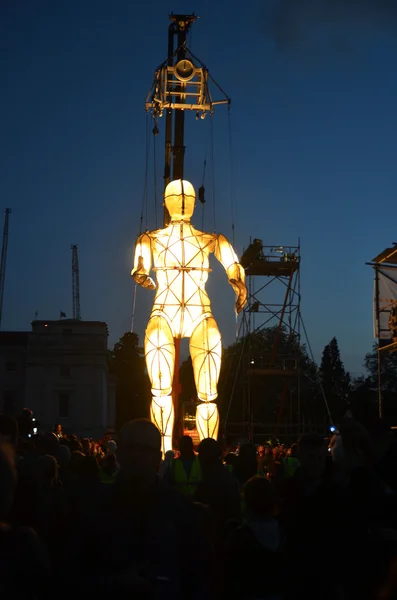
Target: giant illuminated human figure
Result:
[182, 308]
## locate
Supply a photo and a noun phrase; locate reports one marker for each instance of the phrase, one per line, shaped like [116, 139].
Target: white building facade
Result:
[60, 371]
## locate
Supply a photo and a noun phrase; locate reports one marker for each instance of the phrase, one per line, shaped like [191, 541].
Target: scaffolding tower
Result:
[274, 299]
[385, 308]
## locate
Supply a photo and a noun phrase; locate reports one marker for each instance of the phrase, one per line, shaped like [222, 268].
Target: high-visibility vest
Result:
[185, 484]
[105, 478]
[290, 466]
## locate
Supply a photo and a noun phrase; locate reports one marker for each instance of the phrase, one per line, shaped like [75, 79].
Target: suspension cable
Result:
[202, 183]
[317, 373]
[147, 173]
[133, 308]
[234, 380]
[209, 74]
[212, 171]
[145, 187]
[155, 132]
[144, 208]
[190, 35]
[232, 189]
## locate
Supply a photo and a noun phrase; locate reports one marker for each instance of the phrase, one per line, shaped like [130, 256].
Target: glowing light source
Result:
[182, 308]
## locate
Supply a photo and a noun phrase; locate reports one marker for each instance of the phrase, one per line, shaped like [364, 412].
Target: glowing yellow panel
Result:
[182, 308]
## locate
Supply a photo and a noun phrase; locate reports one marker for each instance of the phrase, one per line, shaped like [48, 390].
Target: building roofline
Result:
[66, 322]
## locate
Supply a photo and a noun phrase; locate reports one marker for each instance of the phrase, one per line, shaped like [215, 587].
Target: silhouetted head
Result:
[139, 449]
[259, 498]
[180, 199]
[64, 455]
[47, 470]
[209, 451]
[186, 446]
[169, 456]
[47, 444]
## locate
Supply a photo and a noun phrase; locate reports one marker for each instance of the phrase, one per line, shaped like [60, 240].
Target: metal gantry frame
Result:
[385, 309]
[275, 265]
[274, 301]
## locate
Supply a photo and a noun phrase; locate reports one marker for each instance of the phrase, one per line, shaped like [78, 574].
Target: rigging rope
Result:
[232, 189]
[144, 208]
[155, 132]
[213, 171]
[317, 373]
[133, 308]
[190, 36]
[145, 187]
[147, 171]
[195, 58]
[234, 380]
[202, 183]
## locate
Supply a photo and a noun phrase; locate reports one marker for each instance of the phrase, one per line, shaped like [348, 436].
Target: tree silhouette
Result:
[388, 368]
[369, 386]
[248, 390]
[254, 371]
[363, 400]
[335, 379]
[127, 363]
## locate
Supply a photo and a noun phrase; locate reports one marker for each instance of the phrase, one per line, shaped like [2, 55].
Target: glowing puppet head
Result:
[180, 199]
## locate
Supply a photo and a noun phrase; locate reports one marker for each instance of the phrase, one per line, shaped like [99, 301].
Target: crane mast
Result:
[75, 282]
[4, 259]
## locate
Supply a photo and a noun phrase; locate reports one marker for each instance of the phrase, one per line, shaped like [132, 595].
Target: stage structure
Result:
[385, 308]
[181, 84]
[274, 298]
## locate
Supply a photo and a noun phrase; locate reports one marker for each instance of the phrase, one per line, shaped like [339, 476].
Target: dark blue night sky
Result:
[314, 123]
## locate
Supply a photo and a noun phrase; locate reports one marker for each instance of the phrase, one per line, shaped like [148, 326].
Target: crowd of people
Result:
[317, 520]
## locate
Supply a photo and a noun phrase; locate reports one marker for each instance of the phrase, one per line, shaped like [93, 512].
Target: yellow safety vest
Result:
[104, 478]
[291, 464]
[184, 484]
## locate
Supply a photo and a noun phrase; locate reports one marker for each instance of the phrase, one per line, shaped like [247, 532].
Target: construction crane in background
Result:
[4, 259]
[75, 282]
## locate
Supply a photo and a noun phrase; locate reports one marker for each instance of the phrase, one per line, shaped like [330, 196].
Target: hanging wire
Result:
[236, 373]
[147, 173]
[144, 208]
[155, 131]
[232, 189]
[202, 183]
[133, 308]
[213, 171]
[190, 35]
[195, 58]
[317, 373]
[145, 187]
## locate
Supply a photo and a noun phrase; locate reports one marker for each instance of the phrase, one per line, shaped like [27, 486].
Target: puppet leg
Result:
[160, 363]
[206, 354]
